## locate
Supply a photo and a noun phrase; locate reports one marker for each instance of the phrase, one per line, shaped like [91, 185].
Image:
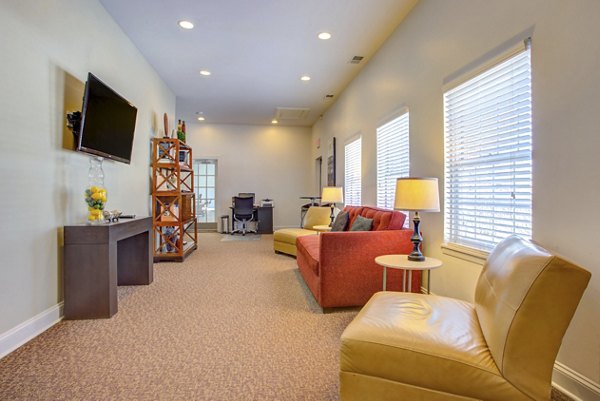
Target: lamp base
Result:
[416, 239]
[416, 257]
[332, 216]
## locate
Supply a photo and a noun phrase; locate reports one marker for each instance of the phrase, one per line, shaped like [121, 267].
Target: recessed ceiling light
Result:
[305, 78]
[205, 73]
[186, 24]
[324, 35]
[201, 118]
[274, 121]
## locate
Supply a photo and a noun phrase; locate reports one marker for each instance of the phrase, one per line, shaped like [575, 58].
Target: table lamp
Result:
[417, 195]
[332, 195]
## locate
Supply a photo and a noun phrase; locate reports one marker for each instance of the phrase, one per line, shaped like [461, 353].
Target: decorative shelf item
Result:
[173, 200]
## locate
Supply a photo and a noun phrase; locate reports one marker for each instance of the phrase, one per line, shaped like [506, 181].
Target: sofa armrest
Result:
[347, 259]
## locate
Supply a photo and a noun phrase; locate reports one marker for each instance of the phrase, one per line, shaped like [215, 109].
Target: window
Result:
[488, 155]
[392, 159]
[352, 179]
[204, 179]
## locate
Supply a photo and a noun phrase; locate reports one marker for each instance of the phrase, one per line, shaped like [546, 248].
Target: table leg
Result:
[384, 277]
[403, 280]
[428, 281]
[410, 281]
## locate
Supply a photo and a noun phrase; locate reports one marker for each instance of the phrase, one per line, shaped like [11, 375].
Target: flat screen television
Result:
[107, 122]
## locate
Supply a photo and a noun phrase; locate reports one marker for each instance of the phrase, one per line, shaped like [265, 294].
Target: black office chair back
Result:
[243, 206]
[247, 195]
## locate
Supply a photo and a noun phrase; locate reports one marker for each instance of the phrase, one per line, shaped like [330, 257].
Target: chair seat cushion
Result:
[409, 338]
[289, 235]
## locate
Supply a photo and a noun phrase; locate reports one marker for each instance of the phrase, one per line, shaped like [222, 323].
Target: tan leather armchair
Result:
[404, 346]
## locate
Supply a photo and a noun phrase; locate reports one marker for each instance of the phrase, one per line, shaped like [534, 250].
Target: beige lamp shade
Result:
[417, 194]
[332, 195]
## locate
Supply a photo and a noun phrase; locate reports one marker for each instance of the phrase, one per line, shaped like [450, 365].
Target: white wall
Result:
[43, 43]
[271, 161]
[439, 39]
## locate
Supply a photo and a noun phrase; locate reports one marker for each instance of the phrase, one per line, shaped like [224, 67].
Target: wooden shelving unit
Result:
[173, 200]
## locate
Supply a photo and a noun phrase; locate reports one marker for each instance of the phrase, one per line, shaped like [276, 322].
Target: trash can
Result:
[225, 224]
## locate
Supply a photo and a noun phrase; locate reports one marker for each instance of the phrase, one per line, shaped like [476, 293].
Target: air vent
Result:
[356, 60]
[291, 113]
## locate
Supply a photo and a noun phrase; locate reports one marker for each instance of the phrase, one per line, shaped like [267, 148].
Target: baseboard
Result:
[575, 385]
[19, 335]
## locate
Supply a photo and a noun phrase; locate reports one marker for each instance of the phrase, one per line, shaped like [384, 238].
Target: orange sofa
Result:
[339, 267]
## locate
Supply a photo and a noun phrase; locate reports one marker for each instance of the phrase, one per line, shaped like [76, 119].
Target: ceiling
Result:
[256, 52]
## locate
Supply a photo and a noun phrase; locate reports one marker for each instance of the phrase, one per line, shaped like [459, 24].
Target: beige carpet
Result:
[233, 322]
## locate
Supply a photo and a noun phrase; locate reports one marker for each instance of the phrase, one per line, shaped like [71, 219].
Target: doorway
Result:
[205, 180]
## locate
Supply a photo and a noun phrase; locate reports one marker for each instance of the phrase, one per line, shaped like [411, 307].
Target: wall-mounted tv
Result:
[107, 122]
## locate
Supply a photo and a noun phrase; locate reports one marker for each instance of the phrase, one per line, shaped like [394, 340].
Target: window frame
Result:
[477, 248]
[386, 151]
[350, 192]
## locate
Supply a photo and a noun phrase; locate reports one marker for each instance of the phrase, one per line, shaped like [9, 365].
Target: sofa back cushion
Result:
[383, 219]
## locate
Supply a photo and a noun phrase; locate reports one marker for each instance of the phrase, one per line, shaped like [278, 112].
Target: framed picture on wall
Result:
[331, 163]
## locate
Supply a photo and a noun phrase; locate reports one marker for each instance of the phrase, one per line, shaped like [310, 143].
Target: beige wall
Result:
[46, 48]
[437, 40]
[271, 161]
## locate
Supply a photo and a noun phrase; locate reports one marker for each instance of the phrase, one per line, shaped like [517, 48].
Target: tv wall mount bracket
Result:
[74, 122]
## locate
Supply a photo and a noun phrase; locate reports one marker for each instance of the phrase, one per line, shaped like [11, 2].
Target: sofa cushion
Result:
[353, 211]
[361, 224]
[383, 219]
[309, 246]
[341, 222]
[289, 235]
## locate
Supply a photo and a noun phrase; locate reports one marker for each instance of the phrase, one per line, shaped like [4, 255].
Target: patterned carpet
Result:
[233, 322]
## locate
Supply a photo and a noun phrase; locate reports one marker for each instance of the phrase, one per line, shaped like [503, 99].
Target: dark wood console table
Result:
[97, 258]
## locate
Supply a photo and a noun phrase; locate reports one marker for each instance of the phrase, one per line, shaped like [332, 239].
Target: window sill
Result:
[465, 253]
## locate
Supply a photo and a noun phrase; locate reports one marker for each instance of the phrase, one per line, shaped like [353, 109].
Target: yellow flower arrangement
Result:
[95, 197]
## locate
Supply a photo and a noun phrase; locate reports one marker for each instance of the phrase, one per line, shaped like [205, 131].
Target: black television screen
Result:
[107, 123]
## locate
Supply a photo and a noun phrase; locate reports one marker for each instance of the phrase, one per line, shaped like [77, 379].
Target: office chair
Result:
[243, 212]
[247, 195]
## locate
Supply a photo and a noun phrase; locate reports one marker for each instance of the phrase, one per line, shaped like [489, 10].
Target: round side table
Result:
[402, 262]
[322, 228]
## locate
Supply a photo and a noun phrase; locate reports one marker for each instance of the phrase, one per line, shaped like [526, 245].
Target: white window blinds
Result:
[392, 159]
[352, 178]
[488, 155]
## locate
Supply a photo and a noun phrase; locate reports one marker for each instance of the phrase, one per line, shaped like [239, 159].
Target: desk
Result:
[97, 258]
[263, 215]
[402, 262]
[313, 199]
